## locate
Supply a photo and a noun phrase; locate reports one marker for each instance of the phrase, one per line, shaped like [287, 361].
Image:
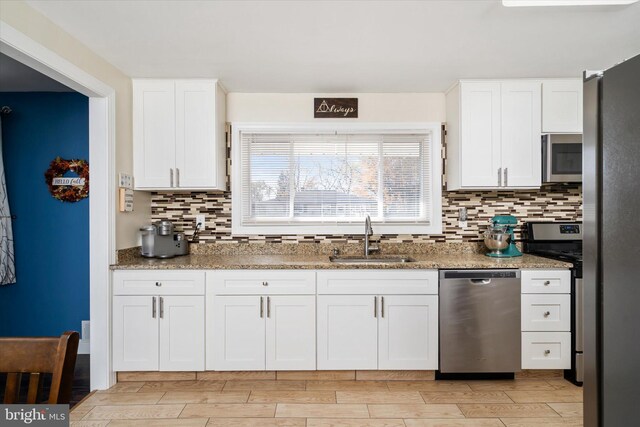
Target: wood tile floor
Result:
[323, 403]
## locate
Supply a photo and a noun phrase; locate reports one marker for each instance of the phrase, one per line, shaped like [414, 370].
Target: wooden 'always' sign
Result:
[345, 108]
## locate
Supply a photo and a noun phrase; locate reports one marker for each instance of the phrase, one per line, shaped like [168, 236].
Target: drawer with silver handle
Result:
[546, 281]
[546, 350]
[546, 312]
[158, 282]
[261, 282]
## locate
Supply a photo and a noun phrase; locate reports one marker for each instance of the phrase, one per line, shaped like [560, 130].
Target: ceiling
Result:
[348, 46]
[17, 77]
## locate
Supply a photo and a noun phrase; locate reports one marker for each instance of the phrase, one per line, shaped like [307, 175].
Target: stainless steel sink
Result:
[378, 259]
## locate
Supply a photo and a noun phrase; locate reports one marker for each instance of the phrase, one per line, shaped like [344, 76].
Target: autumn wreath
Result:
[68, 189]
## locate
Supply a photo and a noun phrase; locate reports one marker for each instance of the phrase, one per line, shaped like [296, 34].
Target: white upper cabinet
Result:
[482, 120]
[521, 143]
[179, 134]
[493, 135]
[562, 106]
[153, 133]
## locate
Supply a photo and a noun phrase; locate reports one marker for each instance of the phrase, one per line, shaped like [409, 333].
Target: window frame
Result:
[338, 227]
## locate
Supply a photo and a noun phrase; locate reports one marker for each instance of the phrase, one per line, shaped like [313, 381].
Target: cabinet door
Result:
[347, 332]
[153, 133]
[181, 333]
[196, 152]
[291, 332]
[521, 134]
[562, 106]
[408, 332]
[238, 332]
[135, 333]
[480, 134]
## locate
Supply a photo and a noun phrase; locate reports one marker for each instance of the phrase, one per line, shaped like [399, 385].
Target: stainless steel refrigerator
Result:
[611, 245]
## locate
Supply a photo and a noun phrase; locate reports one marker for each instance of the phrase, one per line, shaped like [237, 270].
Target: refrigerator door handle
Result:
[579, 316]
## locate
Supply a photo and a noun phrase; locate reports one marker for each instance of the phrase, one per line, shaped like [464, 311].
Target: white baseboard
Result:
[83, 347]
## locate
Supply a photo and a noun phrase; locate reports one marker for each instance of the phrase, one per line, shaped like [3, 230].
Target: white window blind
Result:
[333, 177]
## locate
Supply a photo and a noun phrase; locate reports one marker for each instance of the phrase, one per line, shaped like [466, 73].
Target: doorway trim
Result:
[102, 200]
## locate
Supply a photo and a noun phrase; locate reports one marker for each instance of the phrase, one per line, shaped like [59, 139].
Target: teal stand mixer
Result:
[500, 239]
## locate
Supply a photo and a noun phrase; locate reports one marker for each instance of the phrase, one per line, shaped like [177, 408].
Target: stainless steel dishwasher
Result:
[480, 321]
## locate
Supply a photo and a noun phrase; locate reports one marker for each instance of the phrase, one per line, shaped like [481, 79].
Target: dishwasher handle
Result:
[480, 281]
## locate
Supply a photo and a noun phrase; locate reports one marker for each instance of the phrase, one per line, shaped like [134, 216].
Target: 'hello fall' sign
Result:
[346, 108]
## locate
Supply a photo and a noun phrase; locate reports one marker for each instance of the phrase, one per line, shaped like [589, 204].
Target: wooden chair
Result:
[38, 356]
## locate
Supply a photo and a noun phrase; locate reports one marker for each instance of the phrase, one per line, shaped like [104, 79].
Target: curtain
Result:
[7, 262]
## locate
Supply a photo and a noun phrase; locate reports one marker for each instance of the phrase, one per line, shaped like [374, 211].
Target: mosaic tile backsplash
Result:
[557, 202]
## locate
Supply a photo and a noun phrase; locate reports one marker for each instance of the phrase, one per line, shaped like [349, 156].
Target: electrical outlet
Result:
[462, 214]
[462, 217]
[200, 220]
[86, 328]
[125, 180]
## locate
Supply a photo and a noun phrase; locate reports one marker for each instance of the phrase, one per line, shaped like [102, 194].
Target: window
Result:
[325, 179]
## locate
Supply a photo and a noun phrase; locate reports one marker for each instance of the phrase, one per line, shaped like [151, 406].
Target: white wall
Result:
[34, 25]
[373, 107]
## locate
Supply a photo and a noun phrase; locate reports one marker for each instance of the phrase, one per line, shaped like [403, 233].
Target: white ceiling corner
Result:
[348, 46]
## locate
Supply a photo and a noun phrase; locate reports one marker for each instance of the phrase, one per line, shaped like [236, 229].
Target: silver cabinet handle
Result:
[265, 283]
[177, 177]
[268, 307]
[153, 307]
[499, 177]
[382, 306]
[547, 282]
[547, 314]
[506, 177]
[171, 176]
[158, 284]
[261, 307]
[161, 307]
[547, 352]
[375, 306]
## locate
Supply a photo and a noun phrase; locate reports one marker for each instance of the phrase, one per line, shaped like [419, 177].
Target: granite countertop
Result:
[318, 262]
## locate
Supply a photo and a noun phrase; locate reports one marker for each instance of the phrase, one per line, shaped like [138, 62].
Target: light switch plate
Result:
[125, 180]
[200, 220]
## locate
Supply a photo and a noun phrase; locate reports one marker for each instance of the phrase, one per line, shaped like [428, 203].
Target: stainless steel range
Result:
[563, 241]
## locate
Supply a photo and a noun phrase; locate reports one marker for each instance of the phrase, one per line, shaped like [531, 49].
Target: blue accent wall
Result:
[51, 238]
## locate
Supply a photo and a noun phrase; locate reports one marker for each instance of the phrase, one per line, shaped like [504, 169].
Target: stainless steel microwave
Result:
[562, 158]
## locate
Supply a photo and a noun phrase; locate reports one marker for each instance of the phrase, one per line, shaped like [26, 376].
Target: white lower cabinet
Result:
[135, 333]
[408, 332]
[153, 333]
[347, 332]
[237, 333]
[251, 332]
[181, 333]
[546, 350]
[377, 332]
[546, 319]
[291, 332]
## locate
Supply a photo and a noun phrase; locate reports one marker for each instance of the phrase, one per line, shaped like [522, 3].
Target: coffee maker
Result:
[159, 240]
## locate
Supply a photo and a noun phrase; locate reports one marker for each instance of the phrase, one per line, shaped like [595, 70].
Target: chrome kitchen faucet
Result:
[368, 231]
